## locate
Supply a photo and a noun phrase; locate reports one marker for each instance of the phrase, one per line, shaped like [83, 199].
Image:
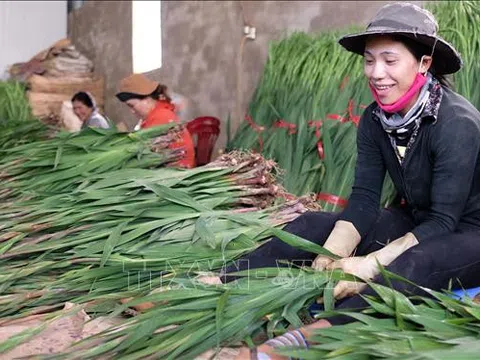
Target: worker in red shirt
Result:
[149, 101]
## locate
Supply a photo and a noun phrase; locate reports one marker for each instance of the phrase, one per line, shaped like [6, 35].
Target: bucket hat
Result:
[135, 86]
[411, 21]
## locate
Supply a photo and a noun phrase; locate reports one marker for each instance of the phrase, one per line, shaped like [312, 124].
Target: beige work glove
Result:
[366, 267]
[343, 239]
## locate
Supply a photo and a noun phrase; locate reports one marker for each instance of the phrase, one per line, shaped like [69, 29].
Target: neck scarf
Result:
[402, 127]
[400, 104]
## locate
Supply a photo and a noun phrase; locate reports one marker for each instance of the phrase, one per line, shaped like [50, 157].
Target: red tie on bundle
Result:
[318, 124]
[332, 199]
[257, 129]
[292, 128]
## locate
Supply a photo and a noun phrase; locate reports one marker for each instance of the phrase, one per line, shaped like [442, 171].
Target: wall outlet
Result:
[250, 32]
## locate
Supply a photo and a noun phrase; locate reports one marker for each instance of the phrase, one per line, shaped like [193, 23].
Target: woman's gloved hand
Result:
[366, 267]
[343, 239]
[363, 267]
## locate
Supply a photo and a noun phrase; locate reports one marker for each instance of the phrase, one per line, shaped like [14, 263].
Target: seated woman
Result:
[85, 107]
[148, 100]
[428, 139]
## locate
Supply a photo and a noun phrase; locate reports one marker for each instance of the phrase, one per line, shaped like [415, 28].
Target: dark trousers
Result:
[432, 263]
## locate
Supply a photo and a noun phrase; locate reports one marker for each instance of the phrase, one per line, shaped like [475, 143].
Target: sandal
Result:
[293, 338]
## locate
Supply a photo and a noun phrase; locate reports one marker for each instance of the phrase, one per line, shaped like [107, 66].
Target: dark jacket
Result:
[439, 177]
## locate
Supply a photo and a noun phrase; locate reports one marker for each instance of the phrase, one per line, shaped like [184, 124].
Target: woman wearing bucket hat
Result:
[149, 101]
[428, 139]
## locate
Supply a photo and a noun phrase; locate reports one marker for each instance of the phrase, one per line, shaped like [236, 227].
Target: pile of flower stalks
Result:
[437, 325]
[17, 123]
[84, 214]
[84, 209]
[69, 161]
[190, 318]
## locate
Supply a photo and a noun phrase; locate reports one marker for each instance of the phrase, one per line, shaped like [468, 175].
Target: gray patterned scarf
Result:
[402, 127]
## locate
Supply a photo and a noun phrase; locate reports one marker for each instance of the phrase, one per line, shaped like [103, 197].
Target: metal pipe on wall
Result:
[74, 4]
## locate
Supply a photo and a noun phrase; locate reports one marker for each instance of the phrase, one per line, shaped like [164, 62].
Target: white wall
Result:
[146, 36]
[28, 27]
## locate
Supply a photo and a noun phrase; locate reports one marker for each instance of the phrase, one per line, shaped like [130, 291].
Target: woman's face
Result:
[390, 67]
[82, 111]
[141, 107]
